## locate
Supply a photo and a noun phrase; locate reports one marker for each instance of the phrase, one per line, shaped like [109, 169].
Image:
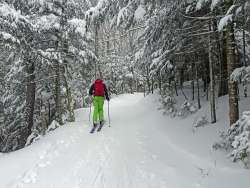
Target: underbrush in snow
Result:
[186, 109]
[168, 101]
[237, 140]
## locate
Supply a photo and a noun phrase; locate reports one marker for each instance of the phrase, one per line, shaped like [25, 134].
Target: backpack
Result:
[99, 88]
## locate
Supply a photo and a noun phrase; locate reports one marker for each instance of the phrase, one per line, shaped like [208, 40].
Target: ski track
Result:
[102, 165]
[125, 155]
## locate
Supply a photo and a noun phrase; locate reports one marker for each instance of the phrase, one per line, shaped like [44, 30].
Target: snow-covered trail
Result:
[135, 152]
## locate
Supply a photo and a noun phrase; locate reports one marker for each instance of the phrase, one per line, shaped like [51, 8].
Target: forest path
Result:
[135, 152]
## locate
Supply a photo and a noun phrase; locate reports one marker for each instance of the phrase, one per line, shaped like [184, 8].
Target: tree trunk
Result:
[223, 89]
[30, 101]
[231, 65]
[181, 77]
[244, 34]
[211, 70]
[70, 105]
[59, 46]
[148, 80]
[96, 46]
[175, 87]
[152, 85]
[58, 95]
[192, 83]
[49, 113]
[159, 82]
[244, 47]
[198, 87]
[205, 75]
[144, 89]
[130, 83]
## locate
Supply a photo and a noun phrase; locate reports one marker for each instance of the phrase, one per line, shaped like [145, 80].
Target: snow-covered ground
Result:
[141, 149]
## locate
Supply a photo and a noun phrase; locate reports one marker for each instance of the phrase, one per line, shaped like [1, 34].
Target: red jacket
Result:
[99, 89]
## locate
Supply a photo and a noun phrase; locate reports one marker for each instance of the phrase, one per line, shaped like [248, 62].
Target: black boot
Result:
[100, 126]
[102, 122]
[94, 127]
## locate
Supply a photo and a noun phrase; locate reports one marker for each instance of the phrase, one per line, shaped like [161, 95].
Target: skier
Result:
[99, 90]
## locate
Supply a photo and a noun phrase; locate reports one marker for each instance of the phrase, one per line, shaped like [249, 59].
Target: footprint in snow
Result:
[143, 162]
[43, 165]
[140, 142]
[29, 177]
[62, 142]
[154, 157]
[152, 176]
[66, 145]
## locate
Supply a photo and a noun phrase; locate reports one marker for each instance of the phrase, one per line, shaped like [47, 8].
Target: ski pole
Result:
[90, 113]
[108, 114]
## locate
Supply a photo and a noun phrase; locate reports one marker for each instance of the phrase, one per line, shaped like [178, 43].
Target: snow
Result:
[238, 11]
[47, 22]
[79, 25]
[215, 3]
[139, 13]
[139, 54]
[122, 13]
[7, 36]
[188, 9]
[231, 9]
[7, 11]
[241, 74]
[224, 21]
[141, 149]
[200, 4]
[129, 76]
[53, 126]
[95, 12]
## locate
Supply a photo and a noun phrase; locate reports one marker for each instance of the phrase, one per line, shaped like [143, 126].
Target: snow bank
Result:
[237, 140]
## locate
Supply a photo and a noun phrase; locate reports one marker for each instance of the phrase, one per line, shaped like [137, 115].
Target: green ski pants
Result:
[98, 109]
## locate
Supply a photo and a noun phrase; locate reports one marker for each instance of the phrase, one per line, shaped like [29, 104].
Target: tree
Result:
[41, 75]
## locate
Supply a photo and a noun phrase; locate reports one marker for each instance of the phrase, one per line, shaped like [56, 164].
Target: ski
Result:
[97, 129]
[100, 128]
[93, 130]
